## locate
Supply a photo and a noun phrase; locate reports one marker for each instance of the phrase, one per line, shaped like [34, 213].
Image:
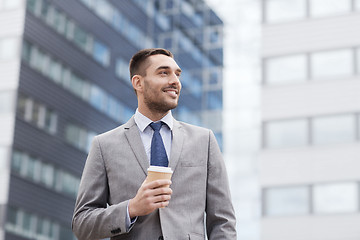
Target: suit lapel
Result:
[133, 136]
[177, 144]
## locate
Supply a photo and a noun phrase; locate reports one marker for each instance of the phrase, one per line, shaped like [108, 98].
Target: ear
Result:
[137, 82]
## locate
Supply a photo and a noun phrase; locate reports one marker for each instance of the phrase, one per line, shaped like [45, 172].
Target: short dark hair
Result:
[137, 61]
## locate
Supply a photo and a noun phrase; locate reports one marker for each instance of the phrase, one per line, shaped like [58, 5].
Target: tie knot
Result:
[156, 126]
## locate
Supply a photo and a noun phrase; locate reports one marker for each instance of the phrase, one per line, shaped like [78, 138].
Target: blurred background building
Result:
[64, 78]
[241, 121]
[311, 120]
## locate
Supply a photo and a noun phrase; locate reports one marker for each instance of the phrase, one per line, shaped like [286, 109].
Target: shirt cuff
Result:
[129, 223]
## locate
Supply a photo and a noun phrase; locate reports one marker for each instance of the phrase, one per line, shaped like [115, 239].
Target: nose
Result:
[174, 79]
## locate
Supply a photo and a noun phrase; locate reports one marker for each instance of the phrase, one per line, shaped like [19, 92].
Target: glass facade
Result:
[60, 22]
[286, 69]
[317, 199]
[332, 64]
[310, 75]
[287, 133]
[73, 84]
[287, 201]
[44, 174]
[321, 8]
[334, 129]
[277, 11]
[37, 114]
[317, 130]
[335, 64]
[280, 10]
[65, 77]
[336, 198]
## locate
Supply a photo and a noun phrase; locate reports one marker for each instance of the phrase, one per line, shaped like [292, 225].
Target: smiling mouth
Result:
[172, 92]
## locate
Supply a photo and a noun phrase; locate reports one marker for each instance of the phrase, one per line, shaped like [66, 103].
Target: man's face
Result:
[161, 83]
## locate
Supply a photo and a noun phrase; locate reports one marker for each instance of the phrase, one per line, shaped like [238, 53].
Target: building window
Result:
[336, 198]
[334, 129]
[38, 114]
[284, 10]
[69, 29]
[106, 11]
[163, 21]
[331, 64]
[44, 173]
[10, 4]
[287, 201]
[196, 86]
[79, 137]
[214, 100]
[3, 158]
[122, 71]
[286, 133]
[186, 115]
[358, 60]
[287, 69]
[319, 8]
[358, 126]
[101, 53]
[32, 226]
[213, 36]
[8, 48]
[59, 21]
[6, 102]
[167, 41]
[66, 78]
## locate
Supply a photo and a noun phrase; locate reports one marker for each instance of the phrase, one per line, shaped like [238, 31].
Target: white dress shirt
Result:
[146, 132]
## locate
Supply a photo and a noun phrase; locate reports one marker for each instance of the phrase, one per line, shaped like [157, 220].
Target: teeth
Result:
[173, 93]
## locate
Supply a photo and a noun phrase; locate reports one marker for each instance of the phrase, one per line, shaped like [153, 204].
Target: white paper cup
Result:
[156, 172]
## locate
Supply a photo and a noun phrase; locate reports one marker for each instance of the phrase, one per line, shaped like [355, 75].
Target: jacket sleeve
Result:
[220, 215]
[93, 218]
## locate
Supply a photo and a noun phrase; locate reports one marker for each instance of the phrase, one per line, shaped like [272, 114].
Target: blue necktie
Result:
[158, 153]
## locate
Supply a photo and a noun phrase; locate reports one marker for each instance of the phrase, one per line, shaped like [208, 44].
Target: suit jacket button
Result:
[161, 238]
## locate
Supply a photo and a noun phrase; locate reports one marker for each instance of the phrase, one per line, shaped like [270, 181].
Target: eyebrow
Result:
[167, 67]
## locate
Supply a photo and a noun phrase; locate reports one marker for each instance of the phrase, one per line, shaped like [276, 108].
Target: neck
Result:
[152, 115]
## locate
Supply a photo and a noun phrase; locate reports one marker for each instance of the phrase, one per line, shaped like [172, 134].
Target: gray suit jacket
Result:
[115, 169]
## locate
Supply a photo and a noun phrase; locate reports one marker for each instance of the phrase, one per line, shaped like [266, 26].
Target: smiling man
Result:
[115, 201]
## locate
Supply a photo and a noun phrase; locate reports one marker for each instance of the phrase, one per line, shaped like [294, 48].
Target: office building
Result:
[64, 78]
[311, 120]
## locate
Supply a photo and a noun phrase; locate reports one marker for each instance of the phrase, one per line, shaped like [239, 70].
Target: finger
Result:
[161, 191]
[161, 204]
[161, 198]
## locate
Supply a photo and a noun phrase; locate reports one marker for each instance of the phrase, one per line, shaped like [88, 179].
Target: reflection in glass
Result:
[101, 53]
[336, 198]
[332, 63]
[284, 10]
[333, 129]
[287, 201]
[320, 8]
[288, 133]
[287, 69]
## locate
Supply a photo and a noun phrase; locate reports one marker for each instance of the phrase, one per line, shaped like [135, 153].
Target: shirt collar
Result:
[142, 121]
